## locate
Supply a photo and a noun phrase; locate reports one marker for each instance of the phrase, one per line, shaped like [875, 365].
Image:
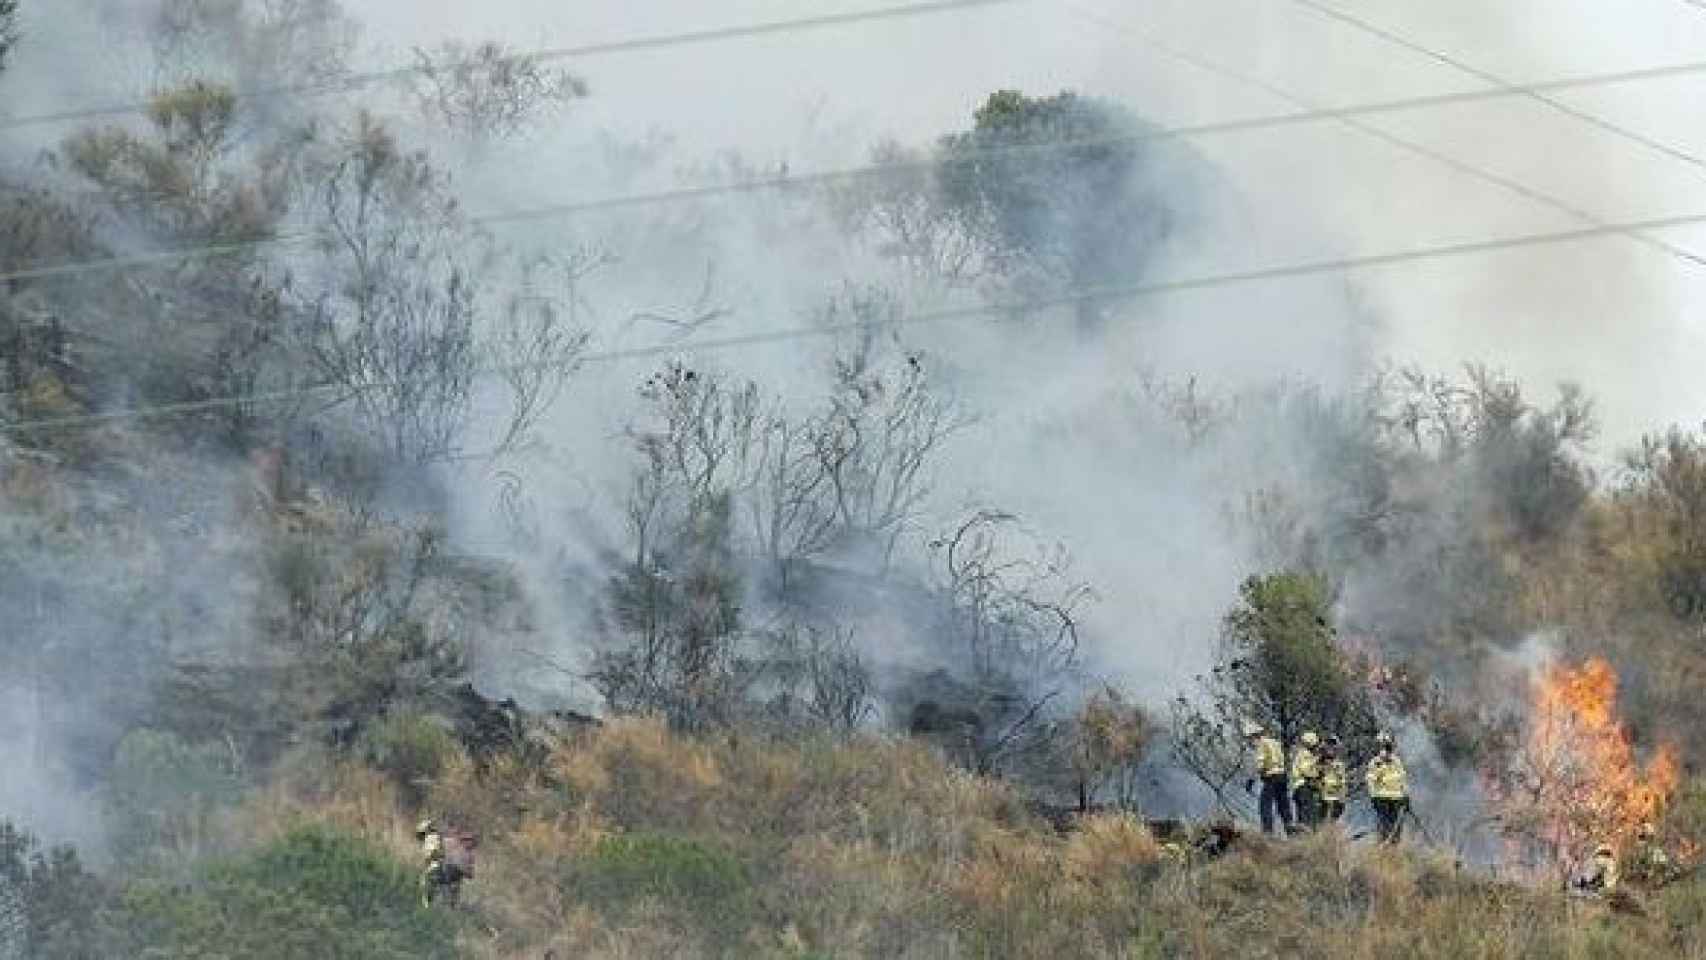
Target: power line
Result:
[634, 45]
[1217, 128]
[1114, 292]
[1333, 13]
[1355, 123]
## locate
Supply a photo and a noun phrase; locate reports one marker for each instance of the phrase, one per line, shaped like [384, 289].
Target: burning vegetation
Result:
[1576, 779]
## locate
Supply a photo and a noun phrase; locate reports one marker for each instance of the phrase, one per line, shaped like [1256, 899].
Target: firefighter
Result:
[1388, 789]
[1270, 769]
[1306, 781]
[435, 877]
[1601, 874]
[1649, 863]
[1333, 781]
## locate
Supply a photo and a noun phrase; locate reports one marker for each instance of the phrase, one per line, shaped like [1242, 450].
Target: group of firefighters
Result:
[1311, 790]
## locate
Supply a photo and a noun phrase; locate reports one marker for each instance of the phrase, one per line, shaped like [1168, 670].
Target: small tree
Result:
[820, 680]
[1109, 738]
[883, 427]
[1278, 664]
[187, 180]
[48, 901]
[1668, 483]
[1053, 189]
[394, 320]
[1012, 621]
[8, 29]
[672, 609]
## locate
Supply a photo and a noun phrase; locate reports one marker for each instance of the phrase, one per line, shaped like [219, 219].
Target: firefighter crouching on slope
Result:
[1333, 777]
[1306, 781]
[1270, 768]
[1388, 789]
[1601, 874]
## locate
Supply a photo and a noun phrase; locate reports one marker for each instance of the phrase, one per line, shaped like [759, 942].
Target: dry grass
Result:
[873, 849]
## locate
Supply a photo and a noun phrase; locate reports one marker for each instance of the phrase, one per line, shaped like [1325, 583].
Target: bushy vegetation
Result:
[639, 842]
[315, 893]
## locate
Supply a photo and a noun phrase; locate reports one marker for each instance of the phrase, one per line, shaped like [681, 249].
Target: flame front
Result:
[1577, 781]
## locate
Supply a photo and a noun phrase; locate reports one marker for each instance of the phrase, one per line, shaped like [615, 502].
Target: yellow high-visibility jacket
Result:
[1305, 768]
[432, 848]
[1270, 757]
[1386, 779]
[1333, 780]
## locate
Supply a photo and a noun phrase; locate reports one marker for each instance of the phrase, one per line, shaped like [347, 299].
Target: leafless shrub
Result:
[787, 499]
[881, 429]
[256, 44]
[541, 336]
[900, 210]
[819, 678]
[489, 90]
[394, 318]
[1015, 620]
[1210, 750]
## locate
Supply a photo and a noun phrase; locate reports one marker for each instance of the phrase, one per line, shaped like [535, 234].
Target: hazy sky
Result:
[1612, 313]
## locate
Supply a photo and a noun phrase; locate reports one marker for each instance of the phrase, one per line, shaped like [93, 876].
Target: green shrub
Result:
[314, 894]
[48, 902]
[411, 749]
[711, 888]
[162, 795]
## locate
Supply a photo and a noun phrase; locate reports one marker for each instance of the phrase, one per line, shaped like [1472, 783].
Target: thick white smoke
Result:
[1068, 435]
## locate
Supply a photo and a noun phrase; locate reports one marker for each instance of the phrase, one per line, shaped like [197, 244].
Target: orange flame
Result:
[1578, 781]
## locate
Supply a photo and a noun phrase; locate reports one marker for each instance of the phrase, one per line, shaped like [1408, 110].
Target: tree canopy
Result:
[1054, 188]
[1278, 664]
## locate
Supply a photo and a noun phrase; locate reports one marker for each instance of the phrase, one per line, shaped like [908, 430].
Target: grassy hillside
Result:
[629, 841]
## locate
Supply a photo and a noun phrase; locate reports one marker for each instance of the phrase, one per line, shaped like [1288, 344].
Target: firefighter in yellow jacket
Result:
[1306, 780]
[1270, 769]
[440, 877]
[1333, 781]
[1388, 789]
